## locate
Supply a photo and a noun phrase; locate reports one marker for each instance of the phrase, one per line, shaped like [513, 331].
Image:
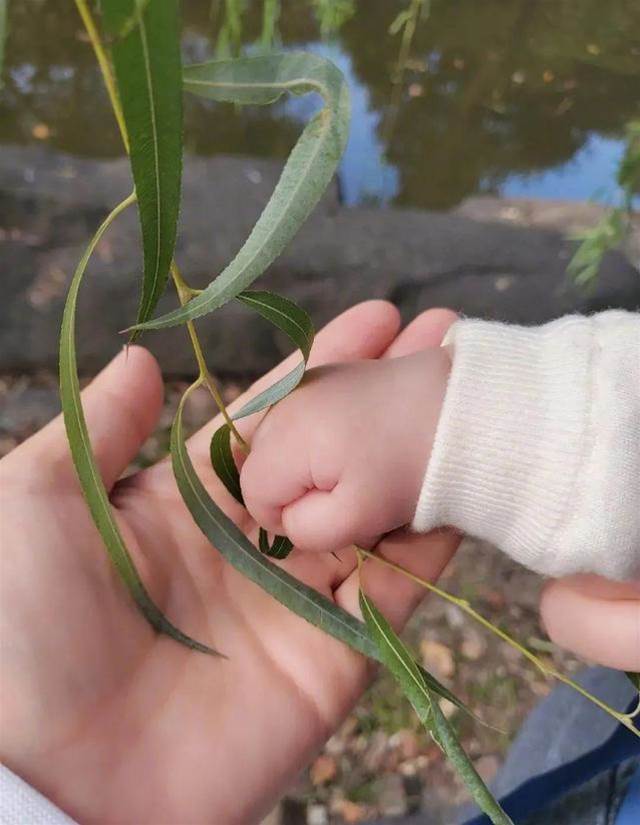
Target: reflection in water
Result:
[500, 96]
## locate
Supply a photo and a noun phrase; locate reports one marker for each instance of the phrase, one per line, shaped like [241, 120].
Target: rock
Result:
[454, 616]
[474, 261]
[26, 408]
[351, 812]
[392, 798]
[474, 645]
[376, 752]
[406, 743]
[437, 659]
[496, 599]
[317, 815]
[323, 770]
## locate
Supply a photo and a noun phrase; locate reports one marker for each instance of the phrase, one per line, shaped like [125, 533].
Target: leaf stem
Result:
[105, 68]
[464, 605]
[184, 294]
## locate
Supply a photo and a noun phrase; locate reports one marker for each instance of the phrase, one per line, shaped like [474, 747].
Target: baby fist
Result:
[341, 460]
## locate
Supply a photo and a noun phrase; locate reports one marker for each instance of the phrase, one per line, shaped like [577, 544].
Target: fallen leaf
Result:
[351, 812]
[41, 131]
[474, 645]
[323, 770]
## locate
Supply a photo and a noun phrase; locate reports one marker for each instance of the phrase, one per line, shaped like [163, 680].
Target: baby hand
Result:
[341, 461]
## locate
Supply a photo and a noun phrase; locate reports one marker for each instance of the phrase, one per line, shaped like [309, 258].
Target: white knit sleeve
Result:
[20, 804]
[538, 444]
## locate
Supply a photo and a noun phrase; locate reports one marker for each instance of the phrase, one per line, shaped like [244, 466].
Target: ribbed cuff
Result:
[515, 436]
[20, 804]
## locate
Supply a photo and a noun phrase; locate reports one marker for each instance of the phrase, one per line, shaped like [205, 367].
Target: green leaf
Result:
[146, 58]
[399, 22]
[296, 323]
[400, 662]
[3, 35]
[224, 463]
[237, 550]
[307, 173]
[278, 549]
[91, 483]
[634, 678]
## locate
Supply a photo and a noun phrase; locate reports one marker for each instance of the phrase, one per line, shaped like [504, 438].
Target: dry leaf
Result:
[323, 770]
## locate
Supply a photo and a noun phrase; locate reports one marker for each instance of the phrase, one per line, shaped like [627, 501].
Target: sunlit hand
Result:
[116, 724]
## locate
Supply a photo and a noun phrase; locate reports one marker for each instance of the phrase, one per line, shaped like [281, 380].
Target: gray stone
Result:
[475, 261]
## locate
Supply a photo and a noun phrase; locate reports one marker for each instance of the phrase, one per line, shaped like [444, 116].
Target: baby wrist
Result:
[534, 437]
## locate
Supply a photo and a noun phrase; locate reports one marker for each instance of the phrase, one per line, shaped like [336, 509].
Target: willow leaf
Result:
[409, 676]
[634, 678]
[146, 57]
[306, 175]
[234, 546]
[91, 483]
[237, 550]
[279, 548]
[297, 324]
[3, 35]
[399, 661]
[224, 463]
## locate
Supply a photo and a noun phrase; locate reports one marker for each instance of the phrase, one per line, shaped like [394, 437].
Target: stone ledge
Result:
[484, 259]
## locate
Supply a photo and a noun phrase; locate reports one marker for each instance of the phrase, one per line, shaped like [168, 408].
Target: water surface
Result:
[512, 97]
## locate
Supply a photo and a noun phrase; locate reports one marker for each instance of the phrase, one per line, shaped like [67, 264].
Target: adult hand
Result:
[117, 724]
[595, 618]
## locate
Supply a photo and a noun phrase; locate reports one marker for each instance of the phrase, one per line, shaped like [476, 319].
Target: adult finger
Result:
[426, 330]
[423, 555]
[121, 406]
[364, 331]
[597, 619]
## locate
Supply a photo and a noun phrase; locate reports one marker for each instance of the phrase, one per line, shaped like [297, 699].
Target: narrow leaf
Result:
[400, 662]
[91, 483]
[279, 548]
[400, 22]
[3, 35]
[223, 462]
[634, 678]
[284, 314]
[146, 57]
[234, 546]
[237, 550]
[297, 324]
[307, 173]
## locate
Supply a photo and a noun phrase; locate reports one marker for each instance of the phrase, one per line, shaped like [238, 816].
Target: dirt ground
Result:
[380, 762]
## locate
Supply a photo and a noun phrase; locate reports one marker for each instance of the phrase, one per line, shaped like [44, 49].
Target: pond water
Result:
[508, 97]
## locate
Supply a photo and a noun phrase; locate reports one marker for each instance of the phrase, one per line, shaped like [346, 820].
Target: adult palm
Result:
[117, 724]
